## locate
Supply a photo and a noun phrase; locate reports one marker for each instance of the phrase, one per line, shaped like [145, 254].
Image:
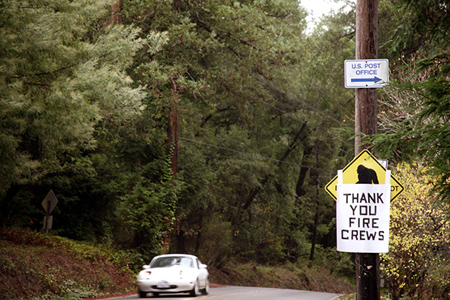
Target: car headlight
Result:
[145, 275]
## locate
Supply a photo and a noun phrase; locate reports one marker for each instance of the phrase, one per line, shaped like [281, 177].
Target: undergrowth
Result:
[288, 276]
[39, 267]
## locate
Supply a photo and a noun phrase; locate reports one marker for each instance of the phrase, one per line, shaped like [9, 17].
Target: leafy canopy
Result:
[418, 103]
[61, 71]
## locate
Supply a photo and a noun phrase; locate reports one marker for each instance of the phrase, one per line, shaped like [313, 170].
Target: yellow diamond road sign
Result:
[364, 168]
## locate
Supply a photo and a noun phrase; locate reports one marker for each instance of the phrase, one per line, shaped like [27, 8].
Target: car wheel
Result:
[142, 294]
[195, 289]
[205, 291]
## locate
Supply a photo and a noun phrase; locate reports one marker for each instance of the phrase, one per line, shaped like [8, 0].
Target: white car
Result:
[173, 273]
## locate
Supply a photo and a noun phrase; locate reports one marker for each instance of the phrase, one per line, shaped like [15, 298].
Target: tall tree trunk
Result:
[238, 213]
[5, 203]
[172, 143]
[115, 15]
[316, 215]
[314, 235]
[291, 147]
[199, 232]
[172, 136]
[299, 189]
[177, 5]
[181, 242]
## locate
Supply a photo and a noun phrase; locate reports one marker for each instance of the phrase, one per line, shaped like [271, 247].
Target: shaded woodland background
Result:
[208, 127]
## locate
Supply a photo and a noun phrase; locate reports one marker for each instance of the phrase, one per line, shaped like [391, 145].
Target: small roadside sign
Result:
[362, 216]
[49, 205]
[49, 202]
[366, 73]
[364, 168]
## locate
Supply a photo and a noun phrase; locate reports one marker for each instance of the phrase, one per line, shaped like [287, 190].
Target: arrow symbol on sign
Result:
[374, 79]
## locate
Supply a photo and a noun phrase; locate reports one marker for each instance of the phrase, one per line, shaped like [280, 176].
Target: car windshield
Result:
[163, 262]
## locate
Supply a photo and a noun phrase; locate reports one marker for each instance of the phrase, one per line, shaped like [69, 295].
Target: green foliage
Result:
[149, 211]
[289, 276]
[415, 124]
[417, 103]
[262, 119]
[82, 250]
[216, 241]
[38, 266]
[217, 70]
[421, 24]
[75, 122]
[417, 264]
[62, 71]
[59, 77]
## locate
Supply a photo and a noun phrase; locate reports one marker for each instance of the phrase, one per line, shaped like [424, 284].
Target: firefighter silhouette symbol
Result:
[366, 175]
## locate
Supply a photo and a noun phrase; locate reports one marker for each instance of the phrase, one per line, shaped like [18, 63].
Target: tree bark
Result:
[367, 264]
[316, 215]
[299, 189]
[288, 151]
[172, 130]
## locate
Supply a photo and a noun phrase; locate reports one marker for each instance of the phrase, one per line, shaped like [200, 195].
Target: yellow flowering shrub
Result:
[417, 265]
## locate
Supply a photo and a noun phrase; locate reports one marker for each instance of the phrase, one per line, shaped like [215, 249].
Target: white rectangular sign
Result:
[362, 212]
[366, 73]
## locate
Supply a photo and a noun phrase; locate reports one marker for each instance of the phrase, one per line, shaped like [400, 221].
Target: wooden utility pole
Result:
[367, 264]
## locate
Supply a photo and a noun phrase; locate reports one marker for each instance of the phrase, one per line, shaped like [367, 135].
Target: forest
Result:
[212, 126]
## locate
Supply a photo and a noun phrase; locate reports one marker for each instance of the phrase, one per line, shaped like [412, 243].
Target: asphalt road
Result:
[245, 293]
